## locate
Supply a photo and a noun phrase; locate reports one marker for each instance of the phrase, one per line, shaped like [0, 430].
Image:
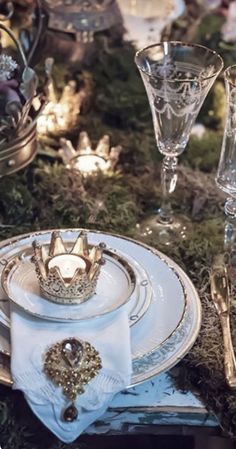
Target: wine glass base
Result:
[165, 233]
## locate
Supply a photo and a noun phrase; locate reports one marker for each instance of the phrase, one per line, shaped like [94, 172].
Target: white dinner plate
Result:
[137, 305]
[115, 286]
[171, 324]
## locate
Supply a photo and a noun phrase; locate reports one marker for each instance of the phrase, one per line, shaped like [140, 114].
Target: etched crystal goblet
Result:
[226, 173]
[177, 78]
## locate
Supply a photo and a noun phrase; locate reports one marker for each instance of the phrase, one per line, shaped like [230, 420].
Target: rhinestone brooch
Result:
[71, 364]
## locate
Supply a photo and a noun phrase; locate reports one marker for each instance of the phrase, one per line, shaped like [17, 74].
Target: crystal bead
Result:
[70, 414]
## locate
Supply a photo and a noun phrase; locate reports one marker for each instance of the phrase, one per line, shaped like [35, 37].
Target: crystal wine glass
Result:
[226, 173]
[177, 78]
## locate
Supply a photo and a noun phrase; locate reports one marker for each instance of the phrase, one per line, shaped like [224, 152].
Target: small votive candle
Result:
[89, 163]
[67, 264]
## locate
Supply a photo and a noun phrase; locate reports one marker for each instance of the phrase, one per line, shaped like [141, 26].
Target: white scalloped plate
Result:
[170, 326]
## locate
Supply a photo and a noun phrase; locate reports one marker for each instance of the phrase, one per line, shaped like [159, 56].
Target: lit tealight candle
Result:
[67, 264]
[89, 163]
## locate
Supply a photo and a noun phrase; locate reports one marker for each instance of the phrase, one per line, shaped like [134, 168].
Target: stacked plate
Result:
[163, 306]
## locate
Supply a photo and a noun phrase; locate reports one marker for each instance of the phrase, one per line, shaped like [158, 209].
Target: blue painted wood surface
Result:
[154, 403]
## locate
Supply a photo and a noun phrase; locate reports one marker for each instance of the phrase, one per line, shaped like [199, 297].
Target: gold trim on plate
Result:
[157, 253]
[13, 264]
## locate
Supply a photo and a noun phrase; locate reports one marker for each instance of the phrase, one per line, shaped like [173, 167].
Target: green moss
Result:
[208, 32]
[3, 413]
[121, 98]
[16, 202]
[212, 113]
[203, 154]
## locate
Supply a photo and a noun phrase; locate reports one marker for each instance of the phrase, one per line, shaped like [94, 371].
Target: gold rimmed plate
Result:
[115, 287]
[170, 325]
[137, 305]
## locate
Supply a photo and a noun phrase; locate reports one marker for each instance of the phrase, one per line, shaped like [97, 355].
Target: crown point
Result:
[44, 253]
[55, 234]
[35, 244]
[56, 245]
[81, 245]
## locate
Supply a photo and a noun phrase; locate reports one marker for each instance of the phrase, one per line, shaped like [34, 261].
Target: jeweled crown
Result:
[67, 276]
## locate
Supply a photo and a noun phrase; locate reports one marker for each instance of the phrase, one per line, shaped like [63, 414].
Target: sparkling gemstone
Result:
[72, 351]
[56, 288]
[84, 22]
[70, 413]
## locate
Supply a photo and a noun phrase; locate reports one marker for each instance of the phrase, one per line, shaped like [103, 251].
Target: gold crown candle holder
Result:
[67, 276]
[85, 159]
[62, 111]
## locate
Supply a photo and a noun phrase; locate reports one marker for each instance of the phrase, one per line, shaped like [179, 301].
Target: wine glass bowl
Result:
[177, 78]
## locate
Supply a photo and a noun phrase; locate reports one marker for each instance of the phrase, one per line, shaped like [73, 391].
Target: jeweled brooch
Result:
[72, 364]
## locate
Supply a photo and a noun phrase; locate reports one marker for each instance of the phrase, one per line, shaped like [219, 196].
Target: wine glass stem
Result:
[168, 183]
[230, 224]
[230, 208]
[230, 240]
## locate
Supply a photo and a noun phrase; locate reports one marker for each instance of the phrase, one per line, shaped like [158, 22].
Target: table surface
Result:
[150, 405]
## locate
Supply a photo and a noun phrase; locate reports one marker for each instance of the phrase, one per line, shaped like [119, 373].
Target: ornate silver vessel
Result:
[19, 152]
[82, 17]
[18, 116]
